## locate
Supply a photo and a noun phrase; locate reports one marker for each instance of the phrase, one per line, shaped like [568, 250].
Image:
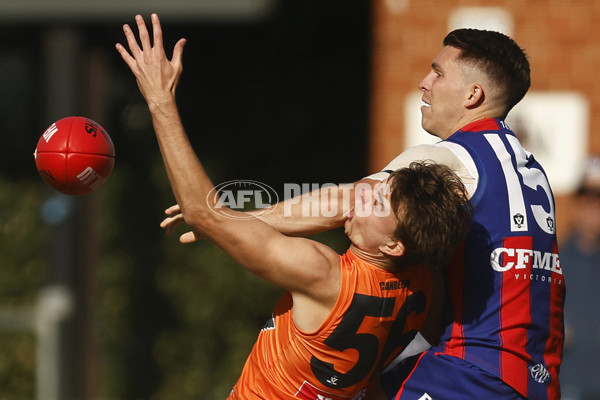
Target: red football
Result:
[75, 155]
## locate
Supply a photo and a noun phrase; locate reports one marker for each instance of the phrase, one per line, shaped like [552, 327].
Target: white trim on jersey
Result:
[465, 158]
[449, 154]
[516, 203]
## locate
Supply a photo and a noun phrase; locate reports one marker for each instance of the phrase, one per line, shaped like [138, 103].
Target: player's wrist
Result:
[163, 104]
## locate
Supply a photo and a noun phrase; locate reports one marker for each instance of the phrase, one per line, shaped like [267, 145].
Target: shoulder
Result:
[432, 152]
[451, 154]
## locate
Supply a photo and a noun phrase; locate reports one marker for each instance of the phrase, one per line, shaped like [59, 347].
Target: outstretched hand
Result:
[156, 75]
[174, 218]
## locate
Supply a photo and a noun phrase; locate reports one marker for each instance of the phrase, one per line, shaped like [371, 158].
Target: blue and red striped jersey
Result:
[505, 286]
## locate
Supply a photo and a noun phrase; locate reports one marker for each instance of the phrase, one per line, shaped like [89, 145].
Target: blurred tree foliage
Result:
[22, 271]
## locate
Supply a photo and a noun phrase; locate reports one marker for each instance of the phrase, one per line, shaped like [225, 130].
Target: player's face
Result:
[372, 222]
[443, 94]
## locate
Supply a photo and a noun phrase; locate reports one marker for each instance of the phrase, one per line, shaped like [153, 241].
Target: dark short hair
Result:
[433, 212]
[498, 56]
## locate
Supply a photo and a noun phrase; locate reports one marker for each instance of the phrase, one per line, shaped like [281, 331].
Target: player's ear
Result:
[393, 248]
[474, 96]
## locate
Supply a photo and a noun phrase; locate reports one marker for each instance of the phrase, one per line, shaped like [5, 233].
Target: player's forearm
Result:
[291, 218]
[189, 181]
[310, 213]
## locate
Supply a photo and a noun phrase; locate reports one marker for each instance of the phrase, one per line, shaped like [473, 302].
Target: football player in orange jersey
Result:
[343, 318]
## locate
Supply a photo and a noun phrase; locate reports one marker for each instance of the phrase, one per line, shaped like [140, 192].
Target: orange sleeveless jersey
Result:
[375, 316]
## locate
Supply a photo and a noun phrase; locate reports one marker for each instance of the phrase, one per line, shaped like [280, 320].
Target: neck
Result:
[377, 259]
[473, 115]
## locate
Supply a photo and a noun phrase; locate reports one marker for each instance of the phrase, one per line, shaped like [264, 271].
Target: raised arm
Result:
[304, 267]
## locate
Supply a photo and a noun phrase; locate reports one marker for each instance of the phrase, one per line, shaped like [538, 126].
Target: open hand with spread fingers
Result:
[156, 75]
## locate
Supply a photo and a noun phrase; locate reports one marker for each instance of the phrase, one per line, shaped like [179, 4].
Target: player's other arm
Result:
[302, 215]
[299, 216]
[318, 211]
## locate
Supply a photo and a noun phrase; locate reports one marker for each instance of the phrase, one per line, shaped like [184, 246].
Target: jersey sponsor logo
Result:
[394, 285]
[539, 373]
[504, 259]
[538, 277]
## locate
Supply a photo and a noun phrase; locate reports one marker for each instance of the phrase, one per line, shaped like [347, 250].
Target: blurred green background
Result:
[280, 99]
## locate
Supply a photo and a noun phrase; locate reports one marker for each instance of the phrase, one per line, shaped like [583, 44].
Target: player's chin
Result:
[427, 124]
